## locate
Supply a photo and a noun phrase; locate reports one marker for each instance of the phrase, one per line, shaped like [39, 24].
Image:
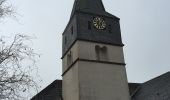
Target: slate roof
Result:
[155, 89]
[133, 87]
[51, 92]
[90, 6]
[93, 5]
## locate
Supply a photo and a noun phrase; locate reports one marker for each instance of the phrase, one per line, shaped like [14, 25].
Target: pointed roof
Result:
[92, 6]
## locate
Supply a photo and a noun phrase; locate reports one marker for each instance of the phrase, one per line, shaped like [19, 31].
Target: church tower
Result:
[92, 55]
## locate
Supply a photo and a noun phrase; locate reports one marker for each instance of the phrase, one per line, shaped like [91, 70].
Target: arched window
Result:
[101, 53]
[69, 58]
[97, 50]
[89, 25]
[65, 40]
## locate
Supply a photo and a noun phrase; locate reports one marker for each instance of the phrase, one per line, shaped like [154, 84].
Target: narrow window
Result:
[72, 30]
[89, 25]
[69, 58]
[65, 40]
[110, 29]
[103, 53]
[97, 50]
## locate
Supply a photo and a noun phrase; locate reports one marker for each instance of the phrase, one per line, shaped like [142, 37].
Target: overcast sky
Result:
[145, 26]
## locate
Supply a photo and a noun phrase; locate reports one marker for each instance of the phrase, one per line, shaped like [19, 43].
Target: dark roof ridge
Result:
[150, 82]
[157, 77]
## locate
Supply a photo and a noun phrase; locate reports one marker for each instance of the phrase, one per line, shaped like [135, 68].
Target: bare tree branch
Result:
[17, 62]
[5, 9]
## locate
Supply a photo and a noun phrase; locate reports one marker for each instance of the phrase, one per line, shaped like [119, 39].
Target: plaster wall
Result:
[99, 81]
[91, 79]
[86, 50]
[70, 84]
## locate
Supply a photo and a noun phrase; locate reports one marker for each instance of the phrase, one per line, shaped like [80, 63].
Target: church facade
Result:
[93, 61]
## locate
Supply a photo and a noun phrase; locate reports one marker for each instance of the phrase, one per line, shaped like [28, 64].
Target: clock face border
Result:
[99, 23]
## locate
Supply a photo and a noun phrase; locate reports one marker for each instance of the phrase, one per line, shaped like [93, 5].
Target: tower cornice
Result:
[94, 61]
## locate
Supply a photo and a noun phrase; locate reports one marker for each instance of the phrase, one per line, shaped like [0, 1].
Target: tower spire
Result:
[88, 5]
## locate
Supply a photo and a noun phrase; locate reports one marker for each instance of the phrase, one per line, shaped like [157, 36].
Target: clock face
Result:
[99, 23]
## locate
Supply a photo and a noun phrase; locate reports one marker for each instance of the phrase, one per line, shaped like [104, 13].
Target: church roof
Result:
[155, 89]
[51, 92]
[90, 6]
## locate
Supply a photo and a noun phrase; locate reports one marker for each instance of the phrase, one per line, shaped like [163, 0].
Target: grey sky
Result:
[145, 26]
